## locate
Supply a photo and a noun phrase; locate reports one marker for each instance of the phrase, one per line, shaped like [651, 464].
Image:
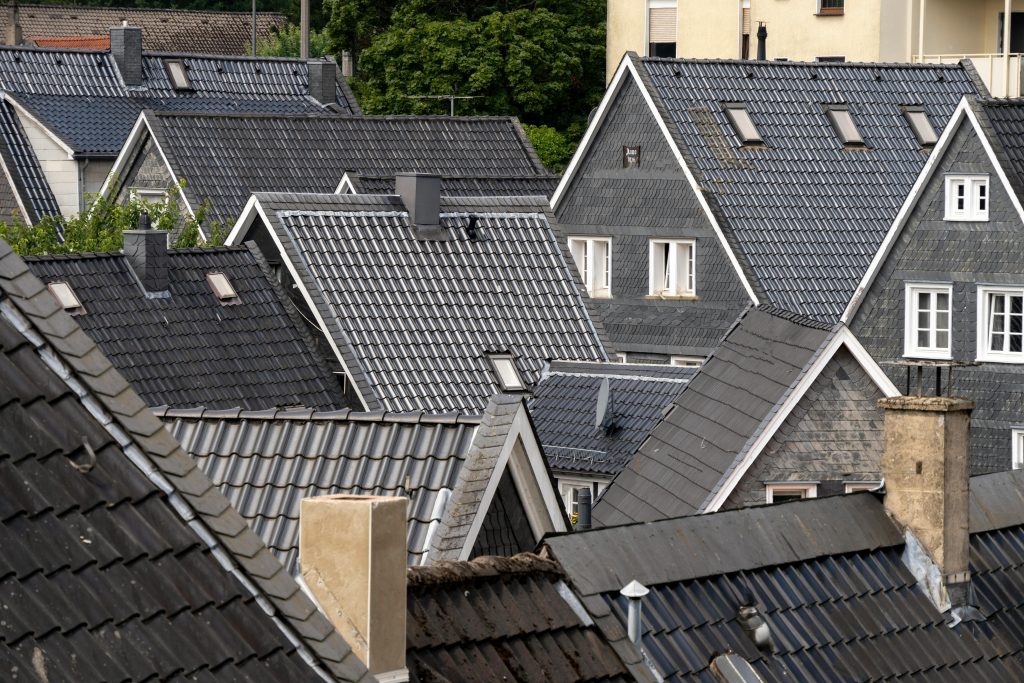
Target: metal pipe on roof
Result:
[584, 506]
[762, 37]
[920, 31]
[634, 591]
[253, 28]
[304, 29]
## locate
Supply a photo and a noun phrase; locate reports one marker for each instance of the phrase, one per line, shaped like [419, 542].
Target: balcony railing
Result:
[989, 67]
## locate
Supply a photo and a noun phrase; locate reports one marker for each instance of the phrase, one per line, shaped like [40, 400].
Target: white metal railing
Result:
[989, 67]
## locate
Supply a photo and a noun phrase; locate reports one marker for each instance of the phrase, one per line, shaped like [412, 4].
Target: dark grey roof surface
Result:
[1003, 124]
[227, 158]
[189, 349]
[29, 183]
[712, 422]
[506, 619]
[564, 406]
[467, 186]
[416, 319]
[121, 561]
[828, 578]
[805, 214]
[163, 30]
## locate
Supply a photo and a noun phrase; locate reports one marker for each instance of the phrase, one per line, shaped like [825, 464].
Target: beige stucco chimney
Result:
[352, 551]
[926, 466]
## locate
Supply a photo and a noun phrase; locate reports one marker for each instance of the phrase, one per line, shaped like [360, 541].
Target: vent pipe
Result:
[762, 38]
[584, 506]
[635, 592]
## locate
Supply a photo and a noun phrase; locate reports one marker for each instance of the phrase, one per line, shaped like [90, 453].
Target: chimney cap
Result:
[932, 404]
[634, 590]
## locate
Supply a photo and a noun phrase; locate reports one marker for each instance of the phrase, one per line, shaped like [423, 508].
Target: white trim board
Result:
[21, 111]
[345, 186]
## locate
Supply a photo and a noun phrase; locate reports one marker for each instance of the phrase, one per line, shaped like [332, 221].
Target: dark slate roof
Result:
[1003, 124]
[20, 161]
[163, 30]
[467, 186]
[121, 560]
[507, 619]
[416, 319]
[776, 200]
[826, 574]
[564, 406]
[227, 158]
[189, 349]
[710, 425]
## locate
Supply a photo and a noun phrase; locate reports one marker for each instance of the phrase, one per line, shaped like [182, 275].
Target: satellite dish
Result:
[604, 417]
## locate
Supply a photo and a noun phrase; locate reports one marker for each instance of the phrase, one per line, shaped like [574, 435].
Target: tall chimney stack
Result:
[421, 194]
[323, 79]
[146, 250]
[126, 47]
[762, 38]
[14, 35]
[926, 465]
[353, 555]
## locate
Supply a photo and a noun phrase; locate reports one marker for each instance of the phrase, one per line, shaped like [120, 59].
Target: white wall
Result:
[95, 172]
[61, 171]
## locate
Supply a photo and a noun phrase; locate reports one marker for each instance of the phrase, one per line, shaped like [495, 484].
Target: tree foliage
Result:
[285, 43]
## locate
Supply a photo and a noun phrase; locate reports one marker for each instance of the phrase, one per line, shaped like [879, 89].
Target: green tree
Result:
[554, 149]
[285, 43]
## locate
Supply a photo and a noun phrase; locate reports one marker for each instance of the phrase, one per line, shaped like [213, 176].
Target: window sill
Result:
[927, 355]
[667, 297]
[830, 13]
[966, 219]
[1006, 359]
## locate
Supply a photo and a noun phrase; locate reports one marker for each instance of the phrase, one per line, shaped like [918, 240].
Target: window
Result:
[620, 358]
[222, 288]
[854, 486]
[570, 491]
[835, 59]
[661, 28]
[967, 198]
[922, 127]
[842, 122]
[686, 361]
[744, 126]
[783, 492]
[149, 195]
[630, 157]
[593, 257]
[1001, 324]
[66, 297]
[1018, 448]
[745, 30]
[177, 74]
[506, 372]
[672, 268]
[830, 7]
[927, 321]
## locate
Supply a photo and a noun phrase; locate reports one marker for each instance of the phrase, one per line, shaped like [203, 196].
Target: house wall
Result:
[833, 436]
[931, 249]
[632, 206]
[61, 171]
[9, 208]
[94, 172]
[796, 32]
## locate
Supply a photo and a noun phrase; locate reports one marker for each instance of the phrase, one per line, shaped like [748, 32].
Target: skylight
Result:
[177, 74]
[741, 122]
[221, 286]
[846, 129]
[921, 126]
[508, 375]
[66, 297]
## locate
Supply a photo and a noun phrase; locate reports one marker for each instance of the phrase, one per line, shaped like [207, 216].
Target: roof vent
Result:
[756, 627]
[421, 194]
[605, 416]
[471, 232]
[635, 591]
[731, 668]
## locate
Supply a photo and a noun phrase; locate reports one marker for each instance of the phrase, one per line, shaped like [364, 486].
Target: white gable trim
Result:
[252, 209]
[521, 453]
[843, 337]
[25, 113]
[963, 112]
[345, 186]
[625, 66]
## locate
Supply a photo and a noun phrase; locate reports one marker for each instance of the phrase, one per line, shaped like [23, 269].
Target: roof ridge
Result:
[484, 567]
[154, 10]
[310, 415]
[793, 317]
[824, 65]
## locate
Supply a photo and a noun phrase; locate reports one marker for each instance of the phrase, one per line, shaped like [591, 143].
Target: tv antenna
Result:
[451, 99]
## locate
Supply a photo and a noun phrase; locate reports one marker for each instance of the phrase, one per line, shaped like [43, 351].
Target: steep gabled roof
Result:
[564, 408]
[121, 560]
[22, 170]
[189, 349]
[459, 186]
[414, 321]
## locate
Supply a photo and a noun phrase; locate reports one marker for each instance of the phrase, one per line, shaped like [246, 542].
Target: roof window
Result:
[842, 122]
[66, 297]
[921, 126]
[221, 286]
[508, 375]
[741, 122]
[177, 74]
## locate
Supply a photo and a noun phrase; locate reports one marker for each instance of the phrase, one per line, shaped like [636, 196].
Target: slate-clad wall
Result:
[965, 253]
[834, 435]
[148, 172]
[9, 209]
[634, 205]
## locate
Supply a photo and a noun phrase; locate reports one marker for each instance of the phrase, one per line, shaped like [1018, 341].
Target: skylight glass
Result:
[65, 296]
[177, 74]
[741, 122]
[844, 126]
[221, 286]
[508, 375]
[922, 126]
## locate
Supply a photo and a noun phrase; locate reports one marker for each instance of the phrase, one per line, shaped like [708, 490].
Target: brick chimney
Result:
[146, 250]
[13, 35]
[421, 194]
[926, 465]
[323, 79]
[352, 550]
[126, 47]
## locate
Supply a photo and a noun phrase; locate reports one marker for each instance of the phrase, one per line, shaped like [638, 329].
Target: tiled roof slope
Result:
[266, 462]
[189, 349]
[21, 164]
[827, 576]
[805, 214]
[121, 561]
[508, 619]
[1003, 122]
[564, 409]
[417, 318]
[467, 186]
[163, 30]
[710, 424]
[227, 158]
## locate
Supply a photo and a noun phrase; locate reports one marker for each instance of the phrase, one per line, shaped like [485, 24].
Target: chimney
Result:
[347, 64]
[926, 465]
[126, 47]
[762, 38]
[146, 250]
[421, 194]
[353, 555]
[323, 79]
[14, 36]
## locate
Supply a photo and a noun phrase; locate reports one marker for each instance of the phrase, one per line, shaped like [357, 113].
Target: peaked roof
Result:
[564, 406]
[226, 158]
[708, 438]
[802, 214]
[121, 561]
[414, 320]
[190, 349]
[32, 191]
[459, 186]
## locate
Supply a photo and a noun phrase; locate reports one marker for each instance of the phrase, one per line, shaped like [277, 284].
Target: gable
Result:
[506, 529]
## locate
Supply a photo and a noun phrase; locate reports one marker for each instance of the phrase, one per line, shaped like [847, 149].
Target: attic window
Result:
[221, 286]
[921, 126]
[177, 75]
[508, 375]
[630, 157]
[846, 129]
[741, 122]
[66, 297]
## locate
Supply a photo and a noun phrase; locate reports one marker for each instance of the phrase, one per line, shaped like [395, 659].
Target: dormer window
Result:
[222, 288]
[741, 122]
[66, 297]
[842, 122]
[922, 127]
[506, 372]
[177, 74]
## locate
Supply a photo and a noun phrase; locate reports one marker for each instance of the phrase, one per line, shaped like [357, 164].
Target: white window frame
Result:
[567, 486]
[910, 329]
[984, 332]
[809, 489]
[680, 285]
[621, 358]
[854, 486]
[659, 4]
[584, 250]
[149, 195]
[507, 372]
[686, 361]
[1017, 447]
[974, 201]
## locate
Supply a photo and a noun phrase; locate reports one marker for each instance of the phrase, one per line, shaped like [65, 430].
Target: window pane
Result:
[942, 301]
[1015, 343]
[998, 303]
[942, 340]
[922, 339]
[982, 193]
[741, 122]
[922, 128]
[844, 125]
[1016, 305]
[942, 321]
[961, 192]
